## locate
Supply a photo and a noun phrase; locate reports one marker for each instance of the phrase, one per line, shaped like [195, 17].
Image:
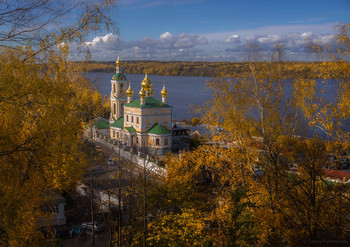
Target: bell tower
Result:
[118, 92]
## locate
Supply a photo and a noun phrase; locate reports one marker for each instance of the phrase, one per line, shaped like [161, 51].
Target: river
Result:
[184, 91]
[187, 91]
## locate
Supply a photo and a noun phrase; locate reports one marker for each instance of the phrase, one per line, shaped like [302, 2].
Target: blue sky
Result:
[216, 30]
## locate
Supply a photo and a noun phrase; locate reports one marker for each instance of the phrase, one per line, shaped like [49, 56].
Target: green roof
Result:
[130, 129]
[118, 123]
[119, 77]
[159, 130]
[102, 124]
[149, 103]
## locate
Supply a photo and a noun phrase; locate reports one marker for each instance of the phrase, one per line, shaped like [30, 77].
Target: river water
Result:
[184, 91]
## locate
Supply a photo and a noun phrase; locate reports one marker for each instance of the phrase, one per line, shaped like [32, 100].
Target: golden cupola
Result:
[146, 83]
[129, 91]
[142, 93]
[117, 62]
[164, 92]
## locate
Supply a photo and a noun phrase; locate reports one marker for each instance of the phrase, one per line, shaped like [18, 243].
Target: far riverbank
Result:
[199, 69]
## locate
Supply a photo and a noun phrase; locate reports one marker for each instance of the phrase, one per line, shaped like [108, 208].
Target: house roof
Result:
[119, 123]
[149, 103]
[335, 174]
[130, 129]
[102, 124]
[158, 129]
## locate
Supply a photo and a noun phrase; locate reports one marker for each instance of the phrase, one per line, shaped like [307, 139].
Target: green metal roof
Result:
[118, 123]
[159, 130]
[119, 77]
[130, 129]
[102, 124]
[149, 103]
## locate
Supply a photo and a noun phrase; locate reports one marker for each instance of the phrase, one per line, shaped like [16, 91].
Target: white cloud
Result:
[166, 36]
[233, 39]
[225, 46]
[271, 38]
[101, 39]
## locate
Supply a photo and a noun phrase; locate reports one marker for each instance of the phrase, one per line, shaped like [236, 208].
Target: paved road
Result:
[101, 240]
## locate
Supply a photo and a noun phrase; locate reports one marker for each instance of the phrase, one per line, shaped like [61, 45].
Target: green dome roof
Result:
[119, 77]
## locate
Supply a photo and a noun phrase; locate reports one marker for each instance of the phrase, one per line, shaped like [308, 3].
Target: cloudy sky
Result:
[216, 30]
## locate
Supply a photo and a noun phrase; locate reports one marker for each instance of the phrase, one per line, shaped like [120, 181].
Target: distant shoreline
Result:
[201, 69]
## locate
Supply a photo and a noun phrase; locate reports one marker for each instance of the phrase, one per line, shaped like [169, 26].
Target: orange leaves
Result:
[181, 229]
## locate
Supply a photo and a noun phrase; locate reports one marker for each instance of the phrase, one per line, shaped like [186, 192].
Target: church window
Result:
[122, 108]
[166, 141]
[117, 134]
[113, 88]
[132, 119]
[127, 118]
[114, 108]
[137, 140]
[113, 133]
[137, 120]
[157, 141]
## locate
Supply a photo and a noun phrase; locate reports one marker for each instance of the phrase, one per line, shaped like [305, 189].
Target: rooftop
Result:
[119, 77]
[149, 103]
[119, 123]
[102, 124]
[158, 129]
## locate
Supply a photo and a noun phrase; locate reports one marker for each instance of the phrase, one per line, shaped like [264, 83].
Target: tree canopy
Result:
[45, 104]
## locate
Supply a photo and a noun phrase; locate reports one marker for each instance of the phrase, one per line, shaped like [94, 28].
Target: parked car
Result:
[97, 226]
[110, 161]
[76, 230]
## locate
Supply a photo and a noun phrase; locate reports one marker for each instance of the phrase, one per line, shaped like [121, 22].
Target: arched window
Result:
[113, 133]
[132, 119]
[114, 108]
[127, 118]
[137, 120]
[122, 108]
[113, 88]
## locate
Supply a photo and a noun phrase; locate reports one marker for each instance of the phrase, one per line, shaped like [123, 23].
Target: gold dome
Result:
[118, 62]
[129, 91]
[146, 83]
[142, 93]
[164, 92]
[151, 92]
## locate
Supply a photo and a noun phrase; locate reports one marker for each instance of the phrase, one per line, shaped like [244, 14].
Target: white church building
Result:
[144, 123]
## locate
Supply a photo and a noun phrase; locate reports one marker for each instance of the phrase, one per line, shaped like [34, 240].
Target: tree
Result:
[259, 113]
[44, 105]
[182, 229]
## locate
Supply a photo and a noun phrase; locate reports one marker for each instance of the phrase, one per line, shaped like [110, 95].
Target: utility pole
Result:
[130, 202]
[119, 203]
[144, 204]
[92, 186]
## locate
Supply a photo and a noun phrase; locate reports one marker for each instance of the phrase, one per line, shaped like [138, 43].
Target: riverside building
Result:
[144, 123]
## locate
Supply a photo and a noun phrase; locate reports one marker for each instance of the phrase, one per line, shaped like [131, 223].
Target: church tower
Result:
[118, 92]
